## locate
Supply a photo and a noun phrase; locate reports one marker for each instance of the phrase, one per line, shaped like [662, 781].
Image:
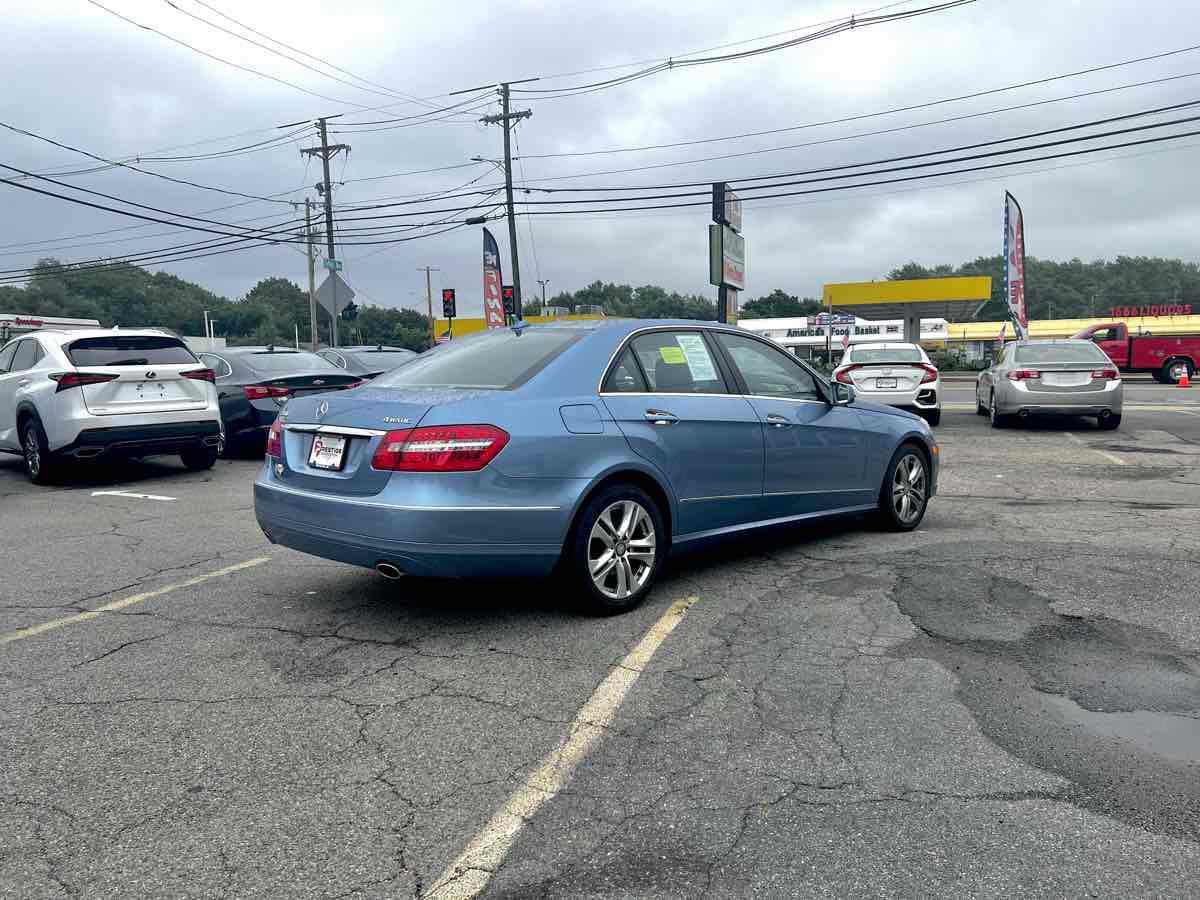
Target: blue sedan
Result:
[594, 446]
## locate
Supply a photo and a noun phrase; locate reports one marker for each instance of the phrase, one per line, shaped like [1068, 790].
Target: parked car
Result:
[1066, 377]
[254, 383]
[1167, 357]
[367, 362]
[92, 393]
[897, 374]
[599, 445]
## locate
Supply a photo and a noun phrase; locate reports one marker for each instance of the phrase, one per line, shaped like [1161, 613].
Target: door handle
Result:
[24, 382]
[661, 417]
[778, 421]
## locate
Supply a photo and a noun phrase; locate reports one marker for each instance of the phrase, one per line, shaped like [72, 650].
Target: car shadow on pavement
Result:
[154, 470]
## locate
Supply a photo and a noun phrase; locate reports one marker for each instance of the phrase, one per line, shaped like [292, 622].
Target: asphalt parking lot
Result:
[1004, 702]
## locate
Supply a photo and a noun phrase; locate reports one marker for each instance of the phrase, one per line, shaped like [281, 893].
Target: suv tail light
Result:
[79, 379]
[201, 375]
[1023, 374]
[441, 448]
[1105, 374]
[844, 375]
[264, 391]
[275, 440]
[931, 374]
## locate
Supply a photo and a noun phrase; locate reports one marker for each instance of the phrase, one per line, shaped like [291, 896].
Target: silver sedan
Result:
[1066, 378]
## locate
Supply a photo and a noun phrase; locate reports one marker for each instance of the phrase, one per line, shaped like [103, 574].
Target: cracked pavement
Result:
[1005, 702]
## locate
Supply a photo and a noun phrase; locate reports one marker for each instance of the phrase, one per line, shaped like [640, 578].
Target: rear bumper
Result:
[142, 440]
[424, 541]
[1019, 399]
[926, 397]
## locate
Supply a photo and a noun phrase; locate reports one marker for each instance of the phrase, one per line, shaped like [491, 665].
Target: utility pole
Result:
[312, 272]
[429, 302]
[543, 282]
[327, 152]
[505, 120]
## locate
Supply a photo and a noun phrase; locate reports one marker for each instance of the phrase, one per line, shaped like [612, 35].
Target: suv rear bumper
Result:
[142, 440]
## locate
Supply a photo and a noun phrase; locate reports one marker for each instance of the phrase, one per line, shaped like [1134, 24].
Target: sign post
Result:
[726, 251]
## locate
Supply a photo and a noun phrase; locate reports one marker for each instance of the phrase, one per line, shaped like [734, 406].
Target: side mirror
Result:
[843, 394]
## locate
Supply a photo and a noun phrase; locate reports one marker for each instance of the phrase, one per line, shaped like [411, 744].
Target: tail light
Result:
[264, 391]
[442, 448]
[844, 375]
[1023, 374]
[68, 380]
[275, 440]
[931, 374]
[201, 375]
[1105, 374]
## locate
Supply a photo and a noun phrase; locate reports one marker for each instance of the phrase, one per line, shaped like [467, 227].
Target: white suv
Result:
[88, 393]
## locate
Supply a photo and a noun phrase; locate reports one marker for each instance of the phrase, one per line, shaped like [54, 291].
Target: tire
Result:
[933, 417]
[612, 517]
[904, 494]
[1112, 423]
[1173, 368]
[199, 458]
[997, 419]
[35, 453]
[980, 409]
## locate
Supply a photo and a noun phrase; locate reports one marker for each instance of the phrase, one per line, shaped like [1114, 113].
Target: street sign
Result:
[726, 257]
[333, 265]
[334, 294]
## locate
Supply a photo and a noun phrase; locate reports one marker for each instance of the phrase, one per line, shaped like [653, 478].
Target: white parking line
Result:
[34, 630]
[131, 495]
[470, 872]
[1111, 457]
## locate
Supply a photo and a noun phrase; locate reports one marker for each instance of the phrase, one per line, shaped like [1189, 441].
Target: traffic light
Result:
[510, 299]
[448, 308]
[350, 312]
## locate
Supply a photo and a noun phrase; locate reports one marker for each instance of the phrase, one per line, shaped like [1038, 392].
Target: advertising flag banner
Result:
[1014, 265]
[493, 308]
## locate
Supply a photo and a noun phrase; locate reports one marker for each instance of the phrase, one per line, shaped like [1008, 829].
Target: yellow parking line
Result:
[472, 869]
[34, 630]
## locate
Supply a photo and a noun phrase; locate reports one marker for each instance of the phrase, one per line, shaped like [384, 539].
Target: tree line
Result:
[275, 309]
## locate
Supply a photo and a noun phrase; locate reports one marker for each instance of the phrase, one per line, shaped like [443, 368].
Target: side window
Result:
[220, 368]
[626, 377]
[768, 372]
[26, 355]
[6, 357]
[678, 362]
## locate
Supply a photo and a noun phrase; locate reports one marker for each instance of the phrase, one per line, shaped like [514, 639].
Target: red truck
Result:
[1166, 358]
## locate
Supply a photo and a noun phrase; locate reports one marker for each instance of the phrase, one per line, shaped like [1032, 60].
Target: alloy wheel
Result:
[909, 488]
[621, 549]
[33, 453]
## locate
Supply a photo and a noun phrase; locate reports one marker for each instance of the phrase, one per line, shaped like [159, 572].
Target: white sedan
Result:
[895, 374]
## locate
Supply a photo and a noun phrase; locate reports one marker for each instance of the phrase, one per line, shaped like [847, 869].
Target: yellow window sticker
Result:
[673, 355]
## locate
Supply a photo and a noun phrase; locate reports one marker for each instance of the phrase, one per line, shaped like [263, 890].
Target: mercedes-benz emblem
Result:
[322, 408]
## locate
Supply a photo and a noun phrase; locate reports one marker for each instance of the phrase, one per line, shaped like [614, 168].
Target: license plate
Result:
[885, 384]
[328, 452]
[1066, 379]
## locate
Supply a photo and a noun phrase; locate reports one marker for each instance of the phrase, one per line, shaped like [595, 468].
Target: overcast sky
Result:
[77, 74]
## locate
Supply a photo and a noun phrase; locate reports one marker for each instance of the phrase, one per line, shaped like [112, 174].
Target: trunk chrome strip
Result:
[335, 429]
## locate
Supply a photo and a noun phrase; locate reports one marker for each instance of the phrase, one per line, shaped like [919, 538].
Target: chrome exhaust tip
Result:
[1024, 414]
[1105, 413]
[88, 452]
[389, 571]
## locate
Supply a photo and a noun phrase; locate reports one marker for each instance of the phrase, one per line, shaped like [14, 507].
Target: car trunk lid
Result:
[144, 389]
[886, 376]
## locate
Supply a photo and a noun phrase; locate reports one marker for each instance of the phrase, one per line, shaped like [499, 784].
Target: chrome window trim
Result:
[354, 502]
[719, 497]
[335, 429]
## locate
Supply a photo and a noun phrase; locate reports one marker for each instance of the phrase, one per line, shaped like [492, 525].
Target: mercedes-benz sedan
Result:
[589, 447]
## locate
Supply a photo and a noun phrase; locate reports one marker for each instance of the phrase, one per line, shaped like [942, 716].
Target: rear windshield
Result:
[499, 361]
[384, 359]
[886, 355]
[286, 361]
[133, 350]
[1059, 353]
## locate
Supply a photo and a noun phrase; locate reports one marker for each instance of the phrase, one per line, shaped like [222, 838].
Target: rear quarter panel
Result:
[1153, 352]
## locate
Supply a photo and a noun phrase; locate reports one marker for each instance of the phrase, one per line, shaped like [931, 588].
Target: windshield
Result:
[499, 361]
[285, 361]
[132, 350]
[885, 355]
[1035, 354]
[382, 359]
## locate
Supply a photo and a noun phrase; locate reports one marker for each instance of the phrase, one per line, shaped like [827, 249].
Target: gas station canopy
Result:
[954, 299]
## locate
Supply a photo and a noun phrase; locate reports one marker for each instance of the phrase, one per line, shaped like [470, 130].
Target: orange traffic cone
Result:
[1183, 378]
